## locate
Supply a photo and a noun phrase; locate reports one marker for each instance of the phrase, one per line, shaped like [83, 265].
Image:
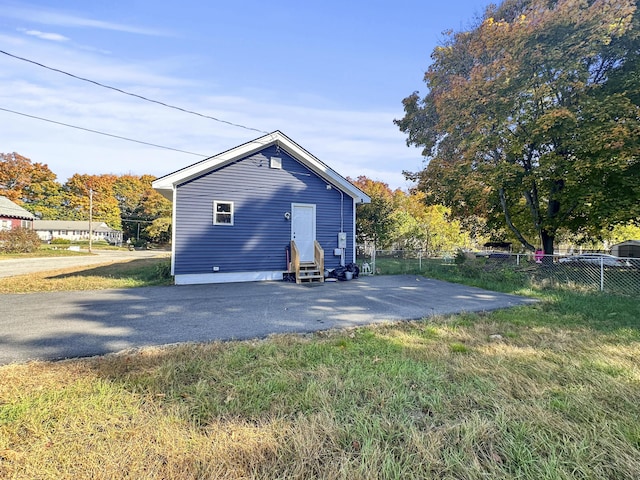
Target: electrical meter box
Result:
[342, 240]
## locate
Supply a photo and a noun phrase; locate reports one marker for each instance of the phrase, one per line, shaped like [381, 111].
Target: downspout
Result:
[342, 261]
[173, 231]
[341, 211]
[353, 233]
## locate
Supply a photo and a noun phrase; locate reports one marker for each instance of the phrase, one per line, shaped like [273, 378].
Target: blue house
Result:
[260, 211]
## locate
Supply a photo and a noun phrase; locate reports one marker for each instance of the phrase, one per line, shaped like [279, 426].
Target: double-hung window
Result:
[222, 212]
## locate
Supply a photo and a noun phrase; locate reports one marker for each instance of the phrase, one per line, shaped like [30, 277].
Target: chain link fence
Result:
[596, 272]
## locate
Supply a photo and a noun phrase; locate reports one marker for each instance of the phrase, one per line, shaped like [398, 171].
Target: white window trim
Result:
[215, 209]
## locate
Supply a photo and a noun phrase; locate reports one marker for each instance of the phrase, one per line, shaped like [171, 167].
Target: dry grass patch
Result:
[115, 274]
[64, 421]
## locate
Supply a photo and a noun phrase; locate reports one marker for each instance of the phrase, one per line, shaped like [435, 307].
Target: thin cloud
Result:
[44, 17]
[56, 37]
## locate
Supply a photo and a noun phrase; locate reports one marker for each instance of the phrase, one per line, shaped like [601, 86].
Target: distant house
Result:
[75, 230]
[260, 211]
[14, 216]
[627, 249]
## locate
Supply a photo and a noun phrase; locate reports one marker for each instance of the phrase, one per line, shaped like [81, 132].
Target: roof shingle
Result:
[10, 209]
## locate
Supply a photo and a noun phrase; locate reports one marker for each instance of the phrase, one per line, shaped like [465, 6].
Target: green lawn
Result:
[45, 251]
[507, 275]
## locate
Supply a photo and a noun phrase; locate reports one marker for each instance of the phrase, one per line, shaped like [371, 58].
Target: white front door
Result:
[303, 229]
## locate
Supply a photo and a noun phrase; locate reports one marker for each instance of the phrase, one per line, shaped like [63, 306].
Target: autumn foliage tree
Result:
[400, 220]
[125, 202]
[374, 221]
[95, 192]
[142, 208]
[428, 228]
[533, 118]
[31, 185]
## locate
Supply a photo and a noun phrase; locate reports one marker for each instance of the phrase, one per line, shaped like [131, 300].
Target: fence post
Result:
[420, 260]
[518, 259]
[602, 274]
[373, 261]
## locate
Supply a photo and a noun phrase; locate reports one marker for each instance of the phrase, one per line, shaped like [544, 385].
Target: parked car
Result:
[597, 259]
[492, 254]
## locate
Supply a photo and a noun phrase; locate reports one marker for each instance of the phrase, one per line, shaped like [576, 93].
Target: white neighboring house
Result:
[75, 230]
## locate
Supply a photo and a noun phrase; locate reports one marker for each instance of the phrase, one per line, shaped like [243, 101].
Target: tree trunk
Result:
[553, 210]
[512, 227]
[547, 239]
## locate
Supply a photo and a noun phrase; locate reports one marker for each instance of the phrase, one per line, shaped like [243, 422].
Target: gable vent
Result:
[275, 162]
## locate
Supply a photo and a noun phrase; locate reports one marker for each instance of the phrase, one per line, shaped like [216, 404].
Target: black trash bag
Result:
[339, 273]
[354, 269]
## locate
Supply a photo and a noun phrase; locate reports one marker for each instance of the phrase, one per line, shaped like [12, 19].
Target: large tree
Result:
[93, 194]
[126, 201]
[374, 222]
[32, 185]
[533, 117]
[401, 220]
[429, 228]
[140, 206]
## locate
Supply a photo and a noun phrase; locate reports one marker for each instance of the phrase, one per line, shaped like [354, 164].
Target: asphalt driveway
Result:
[50, 326]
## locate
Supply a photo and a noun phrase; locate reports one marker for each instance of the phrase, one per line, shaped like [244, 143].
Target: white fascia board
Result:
[324, 171]
[188, 173]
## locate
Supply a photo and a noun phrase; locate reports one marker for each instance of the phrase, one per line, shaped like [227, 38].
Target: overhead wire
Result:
[104, 133]
[141, 97]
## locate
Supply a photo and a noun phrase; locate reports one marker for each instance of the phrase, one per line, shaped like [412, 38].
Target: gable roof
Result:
[10, 209]
[166, 184]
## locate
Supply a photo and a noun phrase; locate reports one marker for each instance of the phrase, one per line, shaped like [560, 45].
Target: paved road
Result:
[21, 266]
[59, 325]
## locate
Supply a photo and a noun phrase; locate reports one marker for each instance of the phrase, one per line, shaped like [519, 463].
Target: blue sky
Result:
[331, 75]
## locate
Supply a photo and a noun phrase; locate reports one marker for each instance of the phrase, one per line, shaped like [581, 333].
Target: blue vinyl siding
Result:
[258, 239]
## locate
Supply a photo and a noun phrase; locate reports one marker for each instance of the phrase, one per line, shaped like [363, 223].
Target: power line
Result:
[131, 94]
[104, 133]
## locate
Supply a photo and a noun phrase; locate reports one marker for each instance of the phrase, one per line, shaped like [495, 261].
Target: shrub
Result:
[60, 241]
[460, 257]
[163, 269]
[471, 269]
[19, 240]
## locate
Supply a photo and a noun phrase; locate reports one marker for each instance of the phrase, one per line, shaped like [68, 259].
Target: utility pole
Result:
[90, 218]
